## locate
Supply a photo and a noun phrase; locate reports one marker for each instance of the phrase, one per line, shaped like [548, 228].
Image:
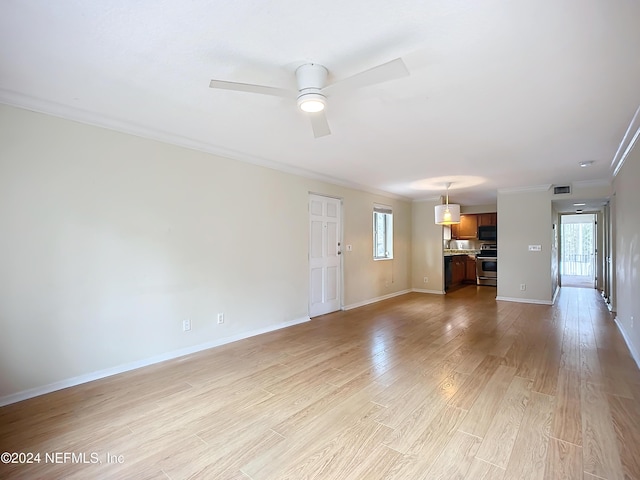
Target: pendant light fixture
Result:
[447, 214]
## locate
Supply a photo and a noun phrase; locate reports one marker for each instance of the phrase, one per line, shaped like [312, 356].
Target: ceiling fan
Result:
[312, 89]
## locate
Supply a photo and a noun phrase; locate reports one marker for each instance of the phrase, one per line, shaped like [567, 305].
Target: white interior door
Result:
[325, 272]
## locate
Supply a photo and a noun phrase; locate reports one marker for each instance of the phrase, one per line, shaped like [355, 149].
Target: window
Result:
[382, 232]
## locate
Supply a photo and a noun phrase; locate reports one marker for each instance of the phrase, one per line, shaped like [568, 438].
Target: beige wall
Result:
[109, 241]
[525, 218]
[478, 208]
[627, 250]
[427, 252]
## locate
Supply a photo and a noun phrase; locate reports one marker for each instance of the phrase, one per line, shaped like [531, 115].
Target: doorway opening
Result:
[578, 251]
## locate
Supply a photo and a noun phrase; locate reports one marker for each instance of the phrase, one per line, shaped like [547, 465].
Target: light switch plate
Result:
[535, 248]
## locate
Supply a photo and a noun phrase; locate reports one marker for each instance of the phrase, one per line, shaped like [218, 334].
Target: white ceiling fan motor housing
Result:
[311, 79]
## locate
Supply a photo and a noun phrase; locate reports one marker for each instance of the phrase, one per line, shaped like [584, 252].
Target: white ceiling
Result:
[503, 93]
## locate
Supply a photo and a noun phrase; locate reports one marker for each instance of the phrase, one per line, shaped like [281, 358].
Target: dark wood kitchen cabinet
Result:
[487, 219]
[458, 269]
[470, 270]
[466, 229]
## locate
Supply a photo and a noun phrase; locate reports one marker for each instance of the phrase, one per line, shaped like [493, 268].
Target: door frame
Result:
[596, 247]
[342, 248]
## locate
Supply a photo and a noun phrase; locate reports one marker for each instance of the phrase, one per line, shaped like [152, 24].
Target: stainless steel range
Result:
[487, 265]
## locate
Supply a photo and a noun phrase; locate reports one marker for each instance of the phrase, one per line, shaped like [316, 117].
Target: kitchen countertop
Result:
[450, 252]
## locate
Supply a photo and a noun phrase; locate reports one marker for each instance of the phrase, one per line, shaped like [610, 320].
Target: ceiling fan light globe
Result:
[312, 106]
[312, 102]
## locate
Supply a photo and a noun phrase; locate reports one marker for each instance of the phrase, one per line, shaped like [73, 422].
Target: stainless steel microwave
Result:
[488, 233]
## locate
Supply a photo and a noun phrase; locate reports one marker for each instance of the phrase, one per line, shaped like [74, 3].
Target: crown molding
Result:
[532, 188]
[626, 144]
[15, 99]
[437, 198]
[600, 182]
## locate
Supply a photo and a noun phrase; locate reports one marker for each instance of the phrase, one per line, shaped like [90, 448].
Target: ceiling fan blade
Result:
[319, 124]
[382, 73]
[251, 88]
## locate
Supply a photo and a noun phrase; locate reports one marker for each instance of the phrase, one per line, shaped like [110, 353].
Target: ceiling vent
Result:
[562, 189]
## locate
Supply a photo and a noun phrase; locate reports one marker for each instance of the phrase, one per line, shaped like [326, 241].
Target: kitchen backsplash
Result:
[463, 244]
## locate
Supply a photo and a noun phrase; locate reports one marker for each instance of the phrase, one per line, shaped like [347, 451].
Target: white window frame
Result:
[384, 213]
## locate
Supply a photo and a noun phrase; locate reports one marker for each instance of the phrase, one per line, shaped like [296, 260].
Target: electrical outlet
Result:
[186, 325]
[523, 287]
[220, 318]
[426, 280]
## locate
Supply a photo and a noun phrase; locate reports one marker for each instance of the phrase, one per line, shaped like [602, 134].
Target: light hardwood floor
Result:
[416, 387]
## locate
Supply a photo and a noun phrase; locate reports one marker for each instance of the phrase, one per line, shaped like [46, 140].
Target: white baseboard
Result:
[89, 377]
[422, 290]
[555, 295]
[634, 352]
[374, 300]
[525, 300]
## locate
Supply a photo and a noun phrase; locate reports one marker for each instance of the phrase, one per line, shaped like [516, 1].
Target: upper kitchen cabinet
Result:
[487, 219]
[467, 229]
[469, 223]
